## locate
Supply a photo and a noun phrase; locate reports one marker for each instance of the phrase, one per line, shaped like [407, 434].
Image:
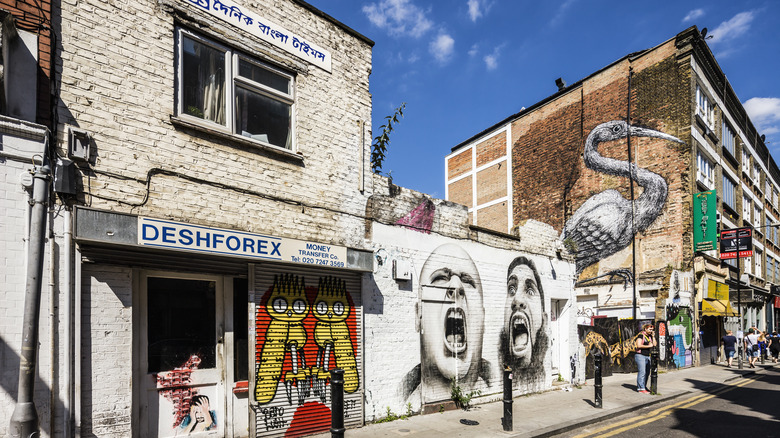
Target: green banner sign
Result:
[704, 220]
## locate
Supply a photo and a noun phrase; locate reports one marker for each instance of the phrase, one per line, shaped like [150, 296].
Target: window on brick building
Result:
[747, 209]
[745, 161]
[757, 255]
[704, 107]
[706, 171]
[729, 139]
[229, 91]
[728, 193]
[757, 216]
[756, 175]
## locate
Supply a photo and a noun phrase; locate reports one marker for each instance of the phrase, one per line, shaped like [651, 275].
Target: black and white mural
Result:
[602, 225]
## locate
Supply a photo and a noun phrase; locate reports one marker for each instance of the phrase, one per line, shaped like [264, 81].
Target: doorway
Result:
[182, 354]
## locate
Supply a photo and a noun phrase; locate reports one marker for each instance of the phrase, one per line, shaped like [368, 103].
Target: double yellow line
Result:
[630, 423]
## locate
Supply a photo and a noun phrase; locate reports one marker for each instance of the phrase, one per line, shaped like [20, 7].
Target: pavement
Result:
[562, 409]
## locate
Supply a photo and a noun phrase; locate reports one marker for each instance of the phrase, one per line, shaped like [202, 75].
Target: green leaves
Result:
[379, 147]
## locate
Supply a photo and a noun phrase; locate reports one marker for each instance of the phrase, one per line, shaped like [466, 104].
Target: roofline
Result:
[561, 92]
[346, 28]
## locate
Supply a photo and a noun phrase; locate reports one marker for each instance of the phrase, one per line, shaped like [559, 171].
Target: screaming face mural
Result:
[602, 225]
[450, 319]
[523, 343]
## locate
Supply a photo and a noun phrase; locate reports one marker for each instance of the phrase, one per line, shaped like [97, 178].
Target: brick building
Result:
[564, 161]
[214, 242]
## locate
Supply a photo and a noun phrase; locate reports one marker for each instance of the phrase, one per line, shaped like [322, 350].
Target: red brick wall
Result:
[35, 17]
[491, 149]
[459, 164]
[491, 184]
[461, 193]
[550, 180]
[493, 217]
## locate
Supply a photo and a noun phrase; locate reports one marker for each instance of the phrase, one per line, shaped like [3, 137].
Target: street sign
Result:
[738, 239]
[704, 220]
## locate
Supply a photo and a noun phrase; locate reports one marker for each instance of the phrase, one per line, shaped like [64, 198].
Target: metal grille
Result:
[298, 337]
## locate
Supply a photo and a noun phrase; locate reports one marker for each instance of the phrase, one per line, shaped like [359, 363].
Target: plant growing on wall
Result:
[379, 147]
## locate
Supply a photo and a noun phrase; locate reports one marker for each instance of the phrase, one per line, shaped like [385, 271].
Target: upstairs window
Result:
[756, 173]
[759, 270]
[746, 161]
[728, 193]
[774, 198]
[704, 108]
[729, 140]
[706, 171]
[226, 90]
[757, 216]
[747, 208]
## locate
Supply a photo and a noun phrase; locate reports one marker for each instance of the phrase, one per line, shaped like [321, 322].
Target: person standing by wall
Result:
[729, 342]
[644, 342]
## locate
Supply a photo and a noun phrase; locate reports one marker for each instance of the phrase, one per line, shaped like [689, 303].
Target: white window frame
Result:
[759, 265]
[729, 196]
[232, 81]
[757, 217]
[746, 162]
[705, 108]
[748, 264]
[747, 209]
[705, 170]
[729, 139]
[756, 172]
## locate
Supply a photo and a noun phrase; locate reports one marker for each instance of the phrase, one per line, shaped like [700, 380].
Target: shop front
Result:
[232, 333]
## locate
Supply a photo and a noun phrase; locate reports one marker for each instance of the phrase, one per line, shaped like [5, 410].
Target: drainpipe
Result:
[68, 323]
[52, 288]
[24, 420]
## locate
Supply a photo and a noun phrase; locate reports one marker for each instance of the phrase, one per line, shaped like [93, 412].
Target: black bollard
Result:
[337, 403]
[506, 421]
[654, 371]
[597, 379]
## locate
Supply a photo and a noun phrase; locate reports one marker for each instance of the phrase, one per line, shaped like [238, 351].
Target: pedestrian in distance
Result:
[774, 346]
[761, 344]
[729, 343]
[644, 343]
[751, 347]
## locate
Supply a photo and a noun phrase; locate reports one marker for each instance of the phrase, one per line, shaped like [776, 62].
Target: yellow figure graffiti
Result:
[331, 334]
[287, 307]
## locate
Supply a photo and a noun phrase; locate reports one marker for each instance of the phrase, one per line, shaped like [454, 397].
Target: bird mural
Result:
[602, 225]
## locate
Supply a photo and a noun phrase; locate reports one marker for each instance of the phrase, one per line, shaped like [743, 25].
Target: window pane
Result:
[203, 81]
[182, 322]
[263, 118]
[263, 76]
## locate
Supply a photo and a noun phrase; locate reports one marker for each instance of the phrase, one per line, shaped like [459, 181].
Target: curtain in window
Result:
[212, 78]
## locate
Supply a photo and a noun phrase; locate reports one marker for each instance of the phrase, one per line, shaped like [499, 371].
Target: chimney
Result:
[560, 83]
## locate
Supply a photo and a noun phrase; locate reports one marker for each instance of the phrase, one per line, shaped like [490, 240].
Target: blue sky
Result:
[463, 65]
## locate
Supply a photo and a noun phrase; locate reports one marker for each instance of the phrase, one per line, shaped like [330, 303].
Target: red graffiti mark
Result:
[310, 418]
[177, 387]
[421, 218]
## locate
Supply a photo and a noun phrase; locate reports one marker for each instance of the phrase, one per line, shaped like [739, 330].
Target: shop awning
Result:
[711, 307]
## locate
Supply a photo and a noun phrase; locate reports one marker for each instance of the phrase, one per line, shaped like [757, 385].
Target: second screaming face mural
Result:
[450, 317]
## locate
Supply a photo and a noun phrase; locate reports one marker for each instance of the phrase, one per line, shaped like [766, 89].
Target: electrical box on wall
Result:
[64, 177]
[402, 270]
[78, 144]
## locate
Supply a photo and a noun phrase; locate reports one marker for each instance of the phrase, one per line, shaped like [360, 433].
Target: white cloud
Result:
[398, 17]
[561, 12]
[474, 11]
[764, 112]
[731, 29]
[442, 48]
[474, 50]
[491, 60]
[692, 15]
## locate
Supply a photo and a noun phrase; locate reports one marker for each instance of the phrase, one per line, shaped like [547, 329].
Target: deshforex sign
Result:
[177, 235]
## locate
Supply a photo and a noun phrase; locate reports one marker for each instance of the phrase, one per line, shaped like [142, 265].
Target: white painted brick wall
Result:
[107, 360]
[392, 342]
[118, 84]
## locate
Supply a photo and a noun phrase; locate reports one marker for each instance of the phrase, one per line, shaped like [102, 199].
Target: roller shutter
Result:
[305, 322]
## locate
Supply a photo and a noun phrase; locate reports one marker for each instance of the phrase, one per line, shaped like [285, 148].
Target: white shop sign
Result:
[177, 235]
[268, 31]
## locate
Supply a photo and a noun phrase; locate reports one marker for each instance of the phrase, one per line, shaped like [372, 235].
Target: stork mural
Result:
[602, 225]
